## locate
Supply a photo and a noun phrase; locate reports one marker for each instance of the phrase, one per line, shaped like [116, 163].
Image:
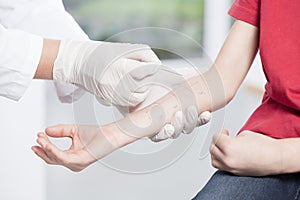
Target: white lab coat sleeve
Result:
[20, 53]
[48, 19]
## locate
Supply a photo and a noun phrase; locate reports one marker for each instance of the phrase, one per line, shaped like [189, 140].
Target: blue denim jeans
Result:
[226, 186]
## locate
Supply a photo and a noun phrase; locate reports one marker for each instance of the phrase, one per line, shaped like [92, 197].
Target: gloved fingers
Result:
[181, 123]
[165, 133]
[171, 130]
[135, 98]
[177, 122]
[128, 100]
[117, 69]
[190, 119]
[140, 71]
[134, 77]
[204, 118]
[167, 77]
[188, 72]
[152, 74]
[128, 93]
[104, 101]
[143, 89]
[143, 53]
[104, 94]
[116, 87]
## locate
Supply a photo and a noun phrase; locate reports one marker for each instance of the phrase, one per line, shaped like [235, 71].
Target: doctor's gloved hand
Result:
[104, 69]
[182, 123]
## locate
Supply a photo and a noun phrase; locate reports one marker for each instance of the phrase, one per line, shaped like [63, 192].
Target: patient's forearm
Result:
[212, 90]
[149, 120]
[290, 149]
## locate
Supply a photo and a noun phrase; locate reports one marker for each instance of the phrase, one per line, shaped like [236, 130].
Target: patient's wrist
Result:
[290, 151]
[117, 136]
[100, 141]
[149, 120]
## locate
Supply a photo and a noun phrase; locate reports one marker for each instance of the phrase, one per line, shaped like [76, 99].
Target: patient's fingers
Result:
[221, 140]
[43, 142]
[216, 152]
[216, 163]
[41, 153]
[62, 131]
[53, 153]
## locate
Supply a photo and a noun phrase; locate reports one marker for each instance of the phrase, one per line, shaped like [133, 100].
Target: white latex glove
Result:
[100, 67]
[183, 122]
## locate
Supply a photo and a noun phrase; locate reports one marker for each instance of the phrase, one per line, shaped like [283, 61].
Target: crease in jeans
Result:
[297, 194]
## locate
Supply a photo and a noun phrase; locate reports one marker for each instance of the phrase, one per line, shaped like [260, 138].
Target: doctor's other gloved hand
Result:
[104, 69]
[182, 122]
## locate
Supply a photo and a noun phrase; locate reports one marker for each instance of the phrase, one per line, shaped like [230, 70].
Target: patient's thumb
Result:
[224, 132]
[64, 130]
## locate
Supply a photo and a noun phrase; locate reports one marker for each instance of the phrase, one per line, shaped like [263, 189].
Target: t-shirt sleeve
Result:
[247, 11]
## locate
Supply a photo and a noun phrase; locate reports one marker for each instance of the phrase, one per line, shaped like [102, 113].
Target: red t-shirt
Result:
[279, 22]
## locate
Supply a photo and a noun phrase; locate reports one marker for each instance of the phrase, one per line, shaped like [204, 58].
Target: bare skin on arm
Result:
[49, 54]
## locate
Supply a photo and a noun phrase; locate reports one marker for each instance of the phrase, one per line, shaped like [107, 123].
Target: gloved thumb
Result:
[142, 71]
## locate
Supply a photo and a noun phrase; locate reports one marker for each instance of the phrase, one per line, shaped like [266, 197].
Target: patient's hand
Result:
[83, 150]
[249, 153]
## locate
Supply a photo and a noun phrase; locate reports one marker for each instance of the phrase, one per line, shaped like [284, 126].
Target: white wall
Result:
[22, 174]
[216, 25]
